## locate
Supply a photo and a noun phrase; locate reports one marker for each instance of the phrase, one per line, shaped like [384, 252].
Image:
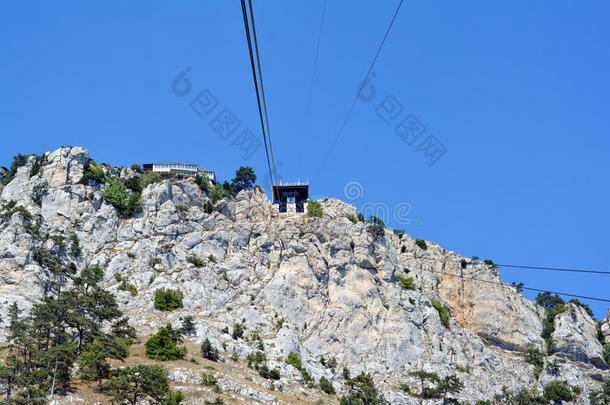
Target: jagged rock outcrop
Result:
[316, 286]
[575, 336]
[605, 328]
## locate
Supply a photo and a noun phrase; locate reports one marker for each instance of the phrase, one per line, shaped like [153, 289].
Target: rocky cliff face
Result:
[316, 286]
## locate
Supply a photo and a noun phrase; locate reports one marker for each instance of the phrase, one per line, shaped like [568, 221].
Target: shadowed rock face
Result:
[316, 286]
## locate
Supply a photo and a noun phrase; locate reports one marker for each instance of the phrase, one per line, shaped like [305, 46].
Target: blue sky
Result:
[515, 93]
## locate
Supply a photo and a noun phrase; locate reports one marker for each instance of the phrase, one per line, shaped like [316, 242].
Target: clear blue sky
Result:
[517, 93]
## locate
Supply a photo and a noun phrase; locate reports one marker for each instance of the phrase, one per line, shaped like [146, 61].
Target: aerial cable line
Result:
[553, 269]
[525, 288]
[349, 113]
[260, 110]
[313, 76]
[260, 77]
[514, 266]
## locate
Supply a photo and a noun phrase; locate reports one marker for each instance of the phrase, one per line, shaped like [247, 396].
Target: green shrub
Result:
[553, 306]
[314, 209]
[546, 300]
[489, 262]
[208, 351]
[244, 179]
[218, 192]
[295, 360]
[326, 386]
[352, 218]
[136, 168]
[254, 359]
[38, 192]
[558, 391]
[267, 373]
[151, 178]
[188, 326]
[406, 283]
[518, 286]
[134, 184]
[93, 173]
[168, 299]
[421, 244]
[532, 355]
[195, 260]
[362, 391]
[442, 312]
[203, 182]
[208, 207]
[124, 286]
[587, 308]
[238, 331]
[164, 344]
[376, 227]
[216, 401]
[208, 379]
[601, 397]
[212, 258]
[37, 165]
[607, 353]
[126, 205]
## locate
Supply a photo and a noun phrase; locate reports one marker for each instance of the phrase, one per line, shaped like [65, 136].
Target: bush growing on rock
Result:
[352, 218]
[151, 178]
[295, 360]
[164, 344]
[168, 299]
[93, 173]
[406, 283]
[442, 312]
[586, 307]
[141, 382]
[208, 379]
[196, 261]
[238, 331]
[558, 391]
[361, 390]
[203, 182]
[216, 401]
[421, 244]
[314, 209]
[326, 386]
[116, 195]
[134, 184]
[553, 306]
[532, 355]
[376, 227]
[244, 179]
[601, 397]
[269, 374]
[208, 351]
[188, 326]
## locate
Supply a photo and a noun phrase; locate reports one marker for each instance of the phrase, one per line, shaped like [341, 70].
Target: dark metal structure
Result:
[291, 197]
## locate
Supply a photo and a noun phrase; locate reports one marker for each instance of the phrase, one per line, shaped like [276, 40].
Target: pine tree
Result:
[132, 384]
[93, 363]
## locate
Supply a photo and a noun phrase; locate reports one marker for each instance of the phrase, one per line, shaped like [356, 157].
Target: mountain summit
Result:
[320, 307]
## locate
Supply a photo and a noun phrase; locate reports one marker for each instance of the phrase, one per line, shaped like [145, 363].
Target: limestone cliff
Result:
[316, 286]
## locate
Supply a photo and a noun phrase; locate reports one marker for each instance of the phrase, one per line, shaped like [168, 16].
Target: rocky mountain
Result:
[324, 288]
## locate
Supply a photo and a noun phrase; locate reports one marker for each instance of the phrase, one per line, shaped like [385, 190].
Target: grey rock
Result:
[298, 283]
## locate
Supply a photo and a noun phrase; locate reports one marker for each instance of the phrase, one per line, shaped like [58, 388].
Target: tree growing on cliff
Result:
[244, 179]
